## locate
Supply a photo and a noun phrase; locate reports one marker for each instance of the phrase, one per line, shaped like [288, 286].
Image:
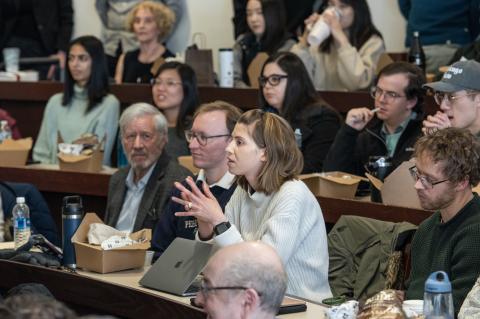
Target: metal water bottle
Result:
[380, 167]
[72, 214]
[437, 299]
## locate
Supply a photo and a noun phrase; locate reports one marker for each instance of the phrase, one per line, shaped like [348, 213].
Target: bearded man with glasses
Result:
[447, 166]
[399, 97]
[458, 95]
[138, 193]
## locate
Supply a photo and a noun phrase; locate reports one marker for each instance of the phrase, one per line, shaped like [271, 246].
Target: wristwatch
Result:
[221, 228]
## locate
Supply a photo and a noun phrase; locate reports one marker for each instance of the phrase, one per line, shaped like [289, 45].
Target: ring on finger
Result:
[188, 206]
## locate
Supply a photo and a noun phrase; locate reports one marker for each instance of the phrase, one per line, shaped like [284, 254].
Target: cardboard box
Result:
[81, 163]
[255, 68]
[15, 152]
[91, 163]
[93, 257]
[398, 188]
[332, 184]
[187, 162]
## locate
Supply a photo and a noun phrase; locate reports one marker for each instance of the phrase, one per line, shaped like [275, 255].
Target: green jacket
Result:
[359, 249]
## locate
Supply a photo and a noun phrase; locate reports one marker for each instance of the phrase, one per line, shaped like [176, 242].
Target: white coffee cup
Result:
[11, 57]
[320, 30]
[226, 67]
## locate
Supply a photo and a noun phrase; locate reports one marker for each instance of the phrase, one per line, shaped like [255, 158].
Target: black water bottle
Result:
[72, 215]
[379, 167]
[416, 55]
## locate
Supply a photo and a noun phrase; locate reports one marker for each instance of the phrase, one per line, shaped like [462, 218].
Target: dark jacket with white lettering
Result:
[351, 149]
[170, 226]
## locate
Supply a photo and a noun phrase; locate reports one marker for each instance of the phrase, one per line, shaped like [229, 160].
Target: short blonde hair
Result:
[232, 112]
[284, 161]
[164, 17]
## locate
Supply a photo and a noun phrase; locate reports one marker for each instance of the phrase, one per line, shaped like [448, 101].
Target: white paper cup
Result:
[226, 67]
[413, 305]
[148, 258]
[319, 33]
[11, 57]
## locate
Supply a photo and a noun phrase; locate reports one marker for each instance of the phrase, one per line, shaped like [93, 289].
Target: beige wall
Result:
[213, 18]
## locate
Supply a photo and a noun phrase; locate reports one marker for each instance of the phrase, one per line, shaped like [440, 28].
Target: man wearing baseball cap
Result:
[458, 95]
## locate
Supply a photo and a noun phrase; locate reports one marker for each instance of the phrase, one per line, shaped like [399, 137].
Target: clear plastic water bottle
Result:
[5, 131]
[21, 222]
[437, 299]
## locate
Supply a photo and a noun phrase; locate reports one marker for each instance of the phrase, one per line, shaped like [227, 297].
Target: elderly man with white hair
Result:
[138, 193]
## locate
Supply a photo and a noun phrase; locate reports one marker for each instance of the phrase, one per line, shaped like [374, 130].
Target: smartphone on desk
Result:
[289, 305]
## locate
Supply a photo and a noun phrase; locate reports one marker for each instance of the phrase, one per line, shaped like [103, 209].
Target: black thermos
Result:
[72, 215]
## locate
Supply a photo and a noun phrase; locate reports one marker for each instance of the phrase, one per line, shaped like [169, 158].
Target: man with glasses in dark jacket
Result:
[389, 130]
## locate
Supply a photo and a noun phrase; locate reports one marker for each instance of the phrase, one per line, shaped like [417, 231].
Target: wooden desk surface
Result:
[54, 184]
[117, 293]
[26, 101]
[93, 188]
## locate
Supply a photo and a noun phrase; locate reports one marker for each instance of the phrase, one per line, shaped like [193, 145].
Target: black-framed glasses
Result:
[201, 138]
[205, 290]
[426, 183]
[439, 97]
[376, 93]
[273, 79]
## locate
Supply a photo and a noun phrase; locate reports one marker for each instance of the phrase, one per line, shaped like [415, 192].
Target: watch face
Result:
[221, 228]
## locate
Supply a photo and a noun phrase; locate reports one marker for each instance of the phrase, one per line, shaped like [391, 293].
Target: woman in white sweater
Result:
[348, 58]
[269, 205]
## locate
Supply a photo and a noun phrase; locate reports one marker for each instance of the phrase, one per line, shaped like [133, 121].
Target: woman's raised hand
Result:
[201, 205]
[309, 22]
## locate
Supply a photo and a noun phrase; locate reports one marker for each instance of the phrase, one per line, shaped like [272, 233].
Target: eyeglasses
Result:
[426, 183]
[450, 98]
[273, 79]
[204, 290]
[376, 93]
[169, 83]
[201, 139]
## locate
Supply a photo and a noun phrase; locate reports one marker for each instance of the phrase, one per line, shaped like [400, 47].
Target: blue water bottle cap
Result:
[438, 282]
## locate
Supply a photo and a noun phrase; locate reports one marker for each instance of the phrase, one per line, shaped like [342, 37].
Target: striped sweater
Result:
[291, 221]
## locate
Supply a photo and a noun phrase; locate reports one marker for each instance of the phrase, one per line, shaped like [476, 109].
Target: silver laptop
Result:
[177, 268]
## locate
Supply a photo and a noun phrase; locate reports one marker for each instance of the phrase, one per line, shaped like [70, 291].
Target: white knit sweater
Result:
[291, 221]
